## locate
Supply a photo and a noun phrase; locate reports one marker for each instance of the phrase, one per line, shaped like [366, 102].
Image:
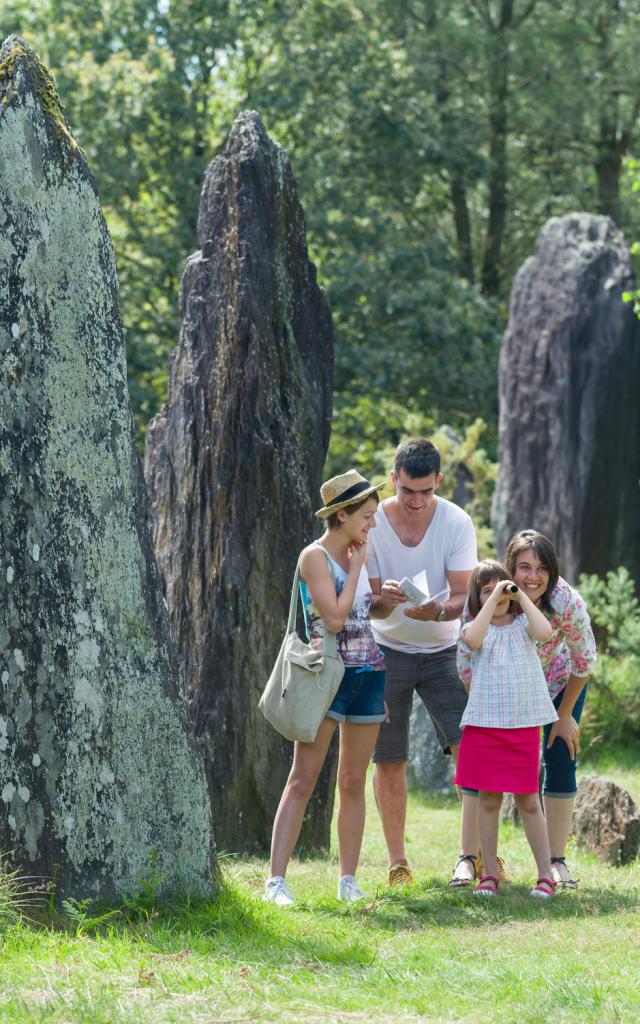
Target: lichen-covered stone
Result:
[569, 409]
[233, 465]
[98, 778]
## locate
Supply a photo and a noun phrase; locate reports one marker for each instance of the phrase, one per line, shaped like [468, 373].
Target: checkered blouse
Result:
[571, 649]
[508, 686]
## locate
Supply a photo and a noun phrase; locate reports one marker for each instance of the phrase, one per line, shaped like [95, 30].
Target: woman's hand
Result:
[357, 554]
[567, 729]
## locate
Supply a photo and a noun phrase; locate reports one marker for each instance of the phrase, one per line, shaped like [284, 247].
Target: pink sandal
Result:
[544, 889]
[487, 886]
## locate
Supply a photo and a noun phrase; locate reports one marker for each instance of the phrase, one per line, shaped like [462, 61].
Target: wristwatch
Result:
[441, 614]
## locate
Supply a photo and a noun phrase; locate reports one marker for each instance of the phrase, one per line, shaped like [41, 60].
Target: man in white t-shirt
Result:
[417, 531]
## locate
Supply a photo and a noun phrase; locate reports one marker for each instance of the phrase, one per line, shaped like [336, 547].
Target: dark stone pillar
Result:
[97, 773]
[233, 465]
[569, 409]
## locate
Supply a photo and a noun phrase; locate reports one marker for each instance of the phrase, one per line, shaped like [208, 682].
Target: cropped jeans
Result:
[559, 769]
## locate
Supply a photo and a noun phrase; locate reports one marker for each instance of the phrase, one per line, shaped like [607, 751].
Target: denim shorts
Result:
[360, 698]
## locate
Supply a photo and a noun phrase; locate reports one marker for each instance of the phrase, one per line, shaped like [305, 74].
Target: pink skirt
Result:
[499, 760]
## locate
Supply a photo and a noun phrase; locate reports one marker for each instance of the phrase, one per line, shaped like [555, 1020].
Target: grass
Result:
[424, 954]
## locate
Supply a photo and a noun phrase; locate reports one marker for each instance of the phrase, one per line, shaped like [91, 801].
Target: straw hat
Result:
[344, 490]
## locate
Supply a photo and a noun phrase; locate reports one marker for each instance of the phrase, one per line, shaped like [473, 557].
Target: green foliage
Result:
[469, 478]
[612, 712]
[366, 432]
[78, 913]
[430, 139]
[16, 895]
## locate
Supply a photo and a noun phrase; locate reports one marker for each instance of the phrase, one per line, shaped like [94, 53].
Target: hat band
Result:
[351, 492]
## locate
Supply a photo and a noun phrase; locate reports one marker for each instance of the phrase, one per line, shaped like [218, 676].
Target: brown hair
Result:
[417, 457]
[333, 522]
[544, 551]
[483, 573]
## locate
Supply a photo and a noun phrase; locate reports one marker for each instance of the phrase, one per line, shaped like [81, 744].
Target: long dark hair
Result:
[544, 551]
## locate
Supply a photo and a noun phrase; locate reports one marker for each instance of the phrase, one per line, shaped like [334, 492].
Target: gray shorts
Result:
[435, 679]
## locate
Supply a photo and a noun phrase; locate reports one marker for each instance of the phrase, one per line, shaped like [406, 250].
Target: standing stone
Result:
[569, 409]
[606, 820]
[428, 769]
[99, 783]
[233, 465]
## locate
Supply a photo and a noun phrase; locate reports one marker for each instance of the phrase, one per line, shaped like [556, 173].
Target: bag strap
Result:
[330, 646]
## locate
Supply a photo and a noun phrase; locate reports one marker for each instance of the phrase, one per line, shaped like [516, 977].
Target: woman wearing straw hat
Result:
[335, 593]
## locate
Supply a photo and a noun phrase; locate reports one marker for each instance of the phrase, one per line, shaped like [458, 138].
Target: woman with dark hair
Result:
[567, 659]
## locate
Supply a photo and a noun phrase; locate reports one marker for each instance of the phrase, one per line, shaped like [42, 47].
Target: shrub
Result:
[612, 712]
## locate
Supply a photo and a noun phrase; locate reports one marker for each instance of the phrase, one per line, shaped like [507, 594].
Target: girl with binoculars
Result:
[508, 703]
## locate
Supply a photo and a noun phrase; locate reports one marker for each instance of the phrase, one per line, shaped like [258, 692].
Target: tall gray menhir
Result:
[97, 773]
[233, 466]
[569, 408]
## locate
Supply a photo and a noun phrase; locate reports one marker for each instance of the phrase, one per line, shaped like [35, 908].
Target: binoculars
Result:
[511, 589]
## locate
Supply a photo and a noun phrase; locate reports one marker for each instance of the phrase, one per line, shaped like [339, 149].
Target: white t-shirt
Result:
[449, 545]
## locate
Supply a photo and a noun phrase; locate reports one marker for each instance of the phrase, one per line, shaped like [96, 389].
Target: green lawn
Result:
[423, 954]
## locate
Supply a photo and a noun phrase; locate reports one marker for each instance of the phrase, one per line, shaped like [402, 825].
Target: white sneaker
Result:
[276, 891]
[349, 891]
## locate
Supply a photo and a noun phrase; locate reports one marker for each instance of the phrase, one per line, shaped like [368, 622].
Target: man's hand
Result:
[568, 730]
[425, 612]
[392, 593]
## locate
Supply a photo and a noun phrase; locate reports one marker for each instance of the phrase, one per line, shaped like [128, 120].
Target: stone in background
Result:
[606, 821]
[569, 409]
[428, 769]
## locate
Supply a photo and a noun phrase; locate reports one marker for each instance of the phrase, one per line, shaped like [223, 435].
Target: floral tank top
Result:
[356, 645]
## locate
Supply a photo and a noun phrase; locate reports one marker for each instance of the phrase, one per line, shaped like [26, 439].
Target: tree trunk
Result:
[608, 166]
[462, 223]
[498, 93]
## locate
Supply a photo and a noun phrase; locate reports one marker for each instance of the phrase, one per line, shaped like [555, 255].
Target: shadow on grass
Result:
[238, 929]
[435, 906]
[234, 926]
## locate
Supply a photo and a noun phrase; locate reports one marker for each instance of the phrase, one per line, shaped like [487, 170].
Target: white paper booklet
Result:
[417, 589]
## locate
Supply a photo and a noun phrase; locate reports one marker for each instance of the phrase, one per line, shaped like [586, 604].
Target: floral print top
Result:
[355, 641]
[571, 648]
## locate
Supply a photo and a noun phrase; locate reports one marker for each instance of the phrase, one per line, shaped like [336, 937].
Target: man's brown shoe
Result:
[400, 873]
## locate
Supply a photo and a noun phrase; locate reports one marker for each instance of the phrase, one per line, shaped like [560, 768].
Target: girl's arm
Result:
[539, 626]
[475, 633]
[314, 570]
